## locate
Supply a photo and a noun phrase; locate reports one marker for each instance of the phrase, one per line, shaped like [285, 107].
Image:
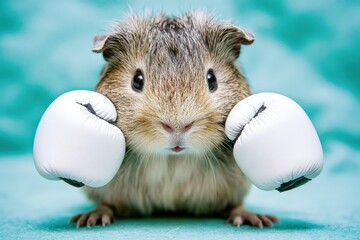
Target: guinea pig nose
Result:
[177, 128]
[167, 127]
[187, 127]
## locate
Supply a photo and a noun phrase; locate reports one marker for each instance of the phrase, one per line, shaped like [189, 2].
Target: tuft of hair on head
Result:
[222, 38]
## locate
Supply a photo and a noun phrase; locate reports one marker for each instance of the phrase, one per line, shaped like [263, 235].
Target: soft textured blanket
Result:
[35, 208]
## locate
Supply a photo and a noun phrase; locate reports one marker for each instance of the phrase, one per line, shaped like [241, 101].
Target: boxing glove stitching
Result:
[89, 107]
[261, 109]
[72, 182]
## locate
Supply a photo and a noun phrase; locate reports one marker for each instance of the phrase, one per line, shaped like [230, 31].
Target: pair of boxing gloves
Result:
[276, 145]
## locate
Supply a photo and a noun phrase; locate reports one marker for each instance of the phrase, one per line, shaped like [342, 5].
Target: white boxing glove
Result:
[276, 146]
[77, 142]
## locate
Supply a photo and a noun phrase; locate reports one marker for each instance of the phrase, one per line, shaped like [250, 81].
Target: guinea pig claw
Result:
[103, 215]
[240, 216]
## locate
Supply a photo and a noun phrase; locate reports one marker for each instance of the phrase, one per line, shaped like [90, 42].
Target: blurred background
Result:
[305, 49]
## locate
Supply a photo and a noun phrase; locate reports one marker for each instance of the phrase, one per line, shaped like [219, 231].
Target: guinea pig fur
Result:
[173, 81]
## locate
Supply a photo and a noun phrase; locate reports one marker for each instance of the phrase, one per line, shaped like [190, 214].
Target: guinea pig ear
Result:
[226, 39]
[246, 37]
[101, 45]
[233, 37]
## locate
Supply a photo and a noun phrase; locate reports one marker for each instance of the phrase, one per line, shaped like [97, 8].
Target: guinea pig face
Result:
[178, 102]
[179, 111]
[171, 88]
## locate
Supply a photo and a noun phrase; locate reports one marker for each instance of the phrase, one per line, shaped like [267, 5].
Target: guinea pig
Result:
[173, 81]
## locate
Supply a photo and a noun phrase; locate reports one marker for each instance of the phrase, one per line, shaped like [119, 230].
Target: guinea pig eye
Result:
[211, 80]
[138, 81]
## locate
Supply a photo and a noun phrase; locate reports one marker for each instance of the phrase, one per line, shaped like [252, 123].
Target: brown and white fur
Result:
[178, 159]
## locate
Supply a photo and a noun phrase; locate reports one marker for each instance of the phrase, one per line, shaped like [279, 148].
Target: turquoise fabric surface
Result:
[307, 50]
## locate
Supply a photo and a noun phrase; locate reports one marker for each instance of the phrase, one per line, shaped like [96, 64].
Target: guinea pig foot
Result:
[240, 216]
[103, 215]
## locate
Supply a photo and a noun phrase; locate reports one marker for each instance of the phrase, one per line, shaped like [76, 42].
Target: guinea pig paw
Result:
[240, 216]
[102, 215]
[236, 221]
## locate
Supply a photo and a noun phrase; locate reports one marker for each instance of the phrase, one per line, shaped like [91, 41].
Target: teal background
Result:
[307, 50]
